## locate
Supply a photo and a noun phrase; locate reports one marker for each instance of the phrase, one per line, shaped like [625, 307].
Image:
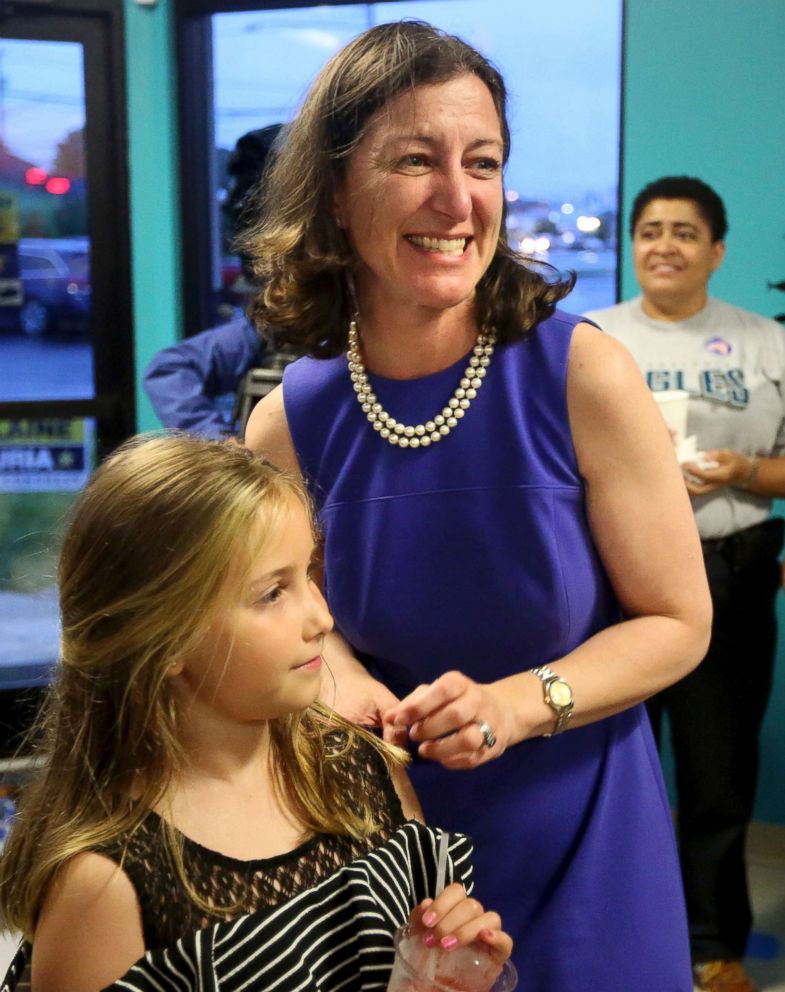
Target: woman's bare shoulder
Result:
[614, 420]
[267, 432]
[598, 362]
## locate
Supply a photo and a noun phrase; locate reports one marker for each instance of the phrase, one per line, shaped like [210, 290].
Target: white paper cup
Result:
[673, 407]
[471, 968]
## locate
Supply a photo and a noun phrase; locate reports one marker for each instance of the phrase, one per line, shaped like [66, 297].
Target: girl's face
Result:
[421, 203]
[261, 657]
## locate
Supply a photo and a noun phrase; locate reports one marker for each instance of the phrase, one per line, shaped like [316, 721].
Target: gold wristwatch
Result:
[558, 695]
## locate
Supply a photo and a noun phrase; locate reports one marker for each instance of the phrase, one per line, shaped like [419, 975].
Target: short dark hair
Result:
[708, 201]
[245, 167]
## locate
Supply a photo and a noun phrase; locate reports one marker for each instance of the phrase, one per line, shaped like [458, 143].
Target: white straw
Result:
[441, 878]
[441, 864]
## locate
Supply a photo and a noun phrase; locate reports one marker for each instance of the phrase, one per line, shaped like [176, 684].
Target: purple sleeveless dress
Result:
[475, 554]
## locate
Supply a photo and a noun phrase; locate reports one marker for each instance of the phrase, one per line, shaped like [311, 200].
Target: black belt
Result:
[745, 547]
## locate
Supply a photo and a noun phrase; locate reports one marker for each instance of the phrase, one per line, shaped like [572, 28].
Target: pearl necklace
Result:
[419, 435]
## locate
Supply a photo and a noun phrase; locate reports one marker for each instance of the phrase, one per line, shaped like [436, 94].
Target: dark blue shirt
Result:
[185, 381]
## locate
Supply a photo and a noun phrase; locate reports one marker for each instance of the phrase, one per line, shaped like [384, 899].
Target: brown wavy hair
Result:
[300, 256]
[151, 541]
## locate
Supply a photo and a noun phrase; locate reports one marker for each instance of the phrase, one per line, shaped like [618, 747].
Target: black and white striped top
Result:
[231, 887]
[334, 937]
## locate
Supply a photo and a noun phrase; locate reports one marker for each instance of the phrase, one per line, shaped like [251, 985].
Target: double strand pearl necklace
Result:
[419, 435]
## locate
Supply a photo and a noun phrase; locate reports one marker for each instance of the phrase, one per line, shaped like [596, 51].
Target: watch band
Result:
[562, 709]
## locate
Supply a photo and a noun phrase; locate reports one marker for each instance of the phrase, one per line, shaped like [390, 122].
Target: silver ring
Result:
[488, 736]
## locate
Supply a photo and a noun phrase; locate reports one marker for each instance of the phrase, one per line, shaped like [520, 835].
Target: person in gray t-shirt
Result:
[732, 363]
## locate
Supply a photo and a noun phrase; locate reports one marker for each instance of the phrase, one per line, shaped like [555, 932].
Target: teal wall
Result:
[705, 95]
[155, 223]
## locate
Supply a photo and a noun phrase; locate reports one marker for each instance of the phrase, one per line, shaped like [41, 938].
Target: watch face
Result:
[561, 693]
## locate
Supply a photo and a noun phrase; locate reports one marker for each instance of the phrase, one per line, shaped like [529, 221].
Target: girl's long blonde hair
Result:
[150, 543]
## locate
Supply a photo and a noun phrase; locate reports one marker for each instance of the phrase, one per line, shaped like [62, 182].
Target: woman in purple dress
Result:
[509, 553]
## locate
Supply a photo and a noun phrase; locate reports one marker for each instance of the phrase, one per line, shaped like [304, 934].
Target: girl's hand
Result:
[732, 469]
[454, 919]
[445, 718]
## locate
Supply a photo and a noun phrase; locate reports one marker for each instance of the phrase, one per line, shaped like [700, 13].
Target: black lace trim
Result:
[237, 887]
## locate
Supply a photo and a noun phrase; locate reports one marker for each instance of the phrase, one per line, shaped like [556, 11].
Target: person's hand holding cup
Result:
[452, 943]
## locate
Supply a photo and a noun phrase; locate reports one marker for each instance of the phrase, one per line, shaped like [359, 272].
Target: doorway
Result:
[66, 355]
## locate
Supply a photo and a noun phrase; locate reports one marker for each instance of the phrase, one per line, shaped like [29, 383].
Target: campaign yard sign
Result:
[48, 455]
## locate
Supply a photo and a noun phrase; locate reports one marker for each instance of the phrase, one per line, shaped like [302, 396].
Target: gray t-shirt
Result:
[732, 362]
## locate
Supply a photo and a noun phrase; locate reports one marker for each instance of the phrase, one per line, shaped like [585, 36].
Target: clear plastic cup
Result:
[472, 968]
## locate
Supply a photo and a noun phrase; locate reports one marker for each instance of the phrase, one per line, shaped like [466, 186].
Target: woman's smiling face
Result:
[421, 202]
[675, 254]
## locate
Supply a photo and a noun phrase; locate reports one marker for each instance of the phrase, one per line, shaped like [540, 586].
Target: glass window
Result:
[30, 264]
[42, 465]
[45, 291]
[561, 62]
[66, 367]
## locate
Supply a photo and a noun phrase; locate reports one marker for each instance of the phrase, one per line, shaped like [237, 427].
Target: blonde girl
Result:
[190, 777]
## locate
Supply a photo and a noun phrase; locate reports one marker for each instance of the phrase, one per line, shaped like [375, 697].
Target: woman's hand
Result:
[445, 717]
[732, 469]
[454, 919]
[347, 686]
[357, 696]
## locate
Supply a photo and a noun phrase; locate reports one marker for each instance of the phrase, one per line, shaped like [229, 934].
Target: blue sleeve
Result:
[183, 381]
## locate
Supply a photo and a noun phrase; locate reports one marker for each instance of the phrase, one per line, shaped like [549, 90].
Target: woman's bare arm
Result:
[642, 524]
[267, 432]
[410, 804]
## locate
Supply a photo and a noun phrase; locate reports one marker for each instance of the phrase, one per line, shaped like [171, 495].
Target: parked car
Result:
[55, 274]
